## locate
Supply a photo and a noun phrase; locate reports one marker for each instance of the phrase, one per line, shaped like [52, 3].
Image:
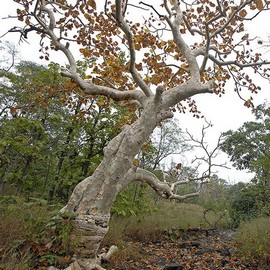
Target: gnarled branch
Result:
[125, 28]
[161, 188]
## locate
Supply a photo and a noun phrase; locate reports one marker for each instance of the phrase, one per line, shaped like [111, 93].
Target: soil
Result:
[208, 250]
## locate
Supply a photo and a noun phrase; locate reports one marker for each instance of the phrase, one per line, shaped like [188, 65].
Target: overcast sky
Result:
[224, 113]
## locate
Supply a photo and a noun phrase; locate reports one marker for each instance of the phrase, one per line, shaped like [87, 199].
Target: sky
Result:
[225, 113]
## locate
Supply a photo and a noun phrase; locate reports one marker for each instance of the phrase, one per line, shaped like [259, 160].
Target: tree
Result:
[249, 148]
[182, 49]
[167, 140]
[51, 129]
[8, 56]
[242, 202]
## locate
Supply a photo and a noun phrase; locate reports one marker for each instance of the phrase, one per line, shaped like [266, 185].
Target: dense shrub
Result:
[243, 204]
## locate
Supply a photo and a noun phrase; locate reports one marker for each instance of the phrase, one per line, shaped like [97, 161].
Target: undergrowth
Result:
[151, 227]
[253, 238]
[29, 236]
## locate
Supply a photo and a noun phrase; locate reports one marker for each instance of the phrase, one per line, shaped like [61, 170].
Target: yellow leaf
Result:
[163, 43]
[184, 66]
[137, 46]
[87, 16]
[100, 103]
[27, 21]
[259, 4]
[136, 162]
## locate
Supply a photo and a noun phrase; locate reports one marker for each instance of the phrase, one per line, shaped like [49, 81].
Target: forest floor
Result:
[213, 250]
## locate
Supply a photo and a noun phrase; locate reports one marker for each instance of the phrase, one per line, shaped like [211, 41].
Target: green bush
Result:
[253, 238]
[243, 204]
[135, 200]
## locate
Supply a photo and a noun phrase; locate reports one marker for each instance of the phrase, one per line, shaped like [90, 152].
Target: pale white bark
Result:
[162, 189]
[178, 183]
[181, 44]
[125, 28]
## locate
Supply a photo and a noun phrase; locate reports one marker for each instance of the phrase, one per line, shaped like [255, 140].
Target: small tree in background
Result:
[205, 45]
[249, 148]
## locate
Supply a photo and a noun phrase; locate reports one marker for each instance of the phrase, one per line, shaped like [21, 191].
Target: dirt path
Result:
[193, 251]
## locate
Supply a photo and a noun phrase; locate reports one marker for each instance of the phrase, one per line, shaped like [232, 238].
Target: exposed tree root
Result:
[90, 264]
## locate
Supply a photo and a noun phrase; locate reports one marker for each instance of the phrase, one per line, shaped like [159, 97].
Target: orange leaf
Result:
[92, 4]
[259, 4]
[136, 162]
[243, 13]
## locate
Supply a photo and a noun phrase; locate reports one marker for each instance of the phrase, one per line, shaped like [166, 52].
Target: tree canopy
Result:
[207, 39]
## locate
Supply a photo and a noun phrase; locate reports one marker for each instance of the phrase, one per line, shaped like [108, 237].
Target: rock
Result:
[224, 262]
[189, 244]
[160, 261]
[225, 252]
[173, 266]
[204, 250]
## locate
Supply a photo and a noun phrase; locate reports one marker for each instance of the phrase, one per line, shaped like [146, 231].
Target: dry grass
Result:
[12, 236]
[253, 239]
[21, 224]
[169, 215]
[128, 252]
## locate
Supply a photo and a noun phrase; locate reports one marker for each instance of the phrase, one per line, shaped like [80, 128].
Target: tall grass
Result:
[22, 224]
[253, 240]
[167, 216]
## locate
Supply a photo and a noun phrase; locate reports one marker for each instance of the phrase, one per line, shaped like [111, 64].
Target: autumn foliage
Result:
[215, 32]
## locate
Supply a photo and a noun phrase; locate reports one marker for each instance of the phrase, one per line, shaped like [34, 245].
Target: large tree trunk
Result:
[93, 198]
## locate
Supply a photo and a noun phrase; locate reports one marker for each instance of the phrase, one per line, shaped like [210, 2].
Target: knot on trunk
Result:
[88, 231]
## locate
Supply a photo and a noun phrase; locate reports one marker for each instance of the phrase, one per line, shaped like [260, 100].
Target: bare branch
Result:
[125, 28]
[236, 63]
[110, 92]
[209, 155]
[167, 8]
[185, 91]
[161, 188]
[178, 183]
[181, 44]
[160, 89]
